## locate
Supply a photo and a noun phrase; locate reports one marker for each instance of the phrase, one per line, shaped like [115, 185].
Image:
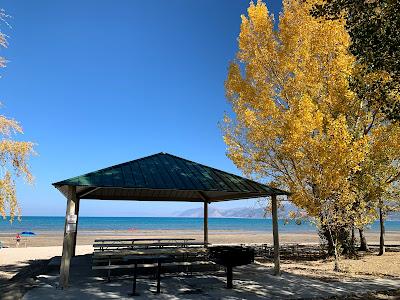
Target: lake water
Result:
[40, 224]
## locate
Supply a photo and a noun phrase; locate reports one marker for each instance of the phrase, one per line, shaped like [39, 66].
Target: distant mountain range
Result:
[241, 212]
[245, 212]
[394, 216]
[257, 212]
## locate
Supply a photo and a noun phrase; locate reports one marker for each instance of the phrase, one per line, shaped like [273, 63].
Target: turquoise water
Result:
[40, 224]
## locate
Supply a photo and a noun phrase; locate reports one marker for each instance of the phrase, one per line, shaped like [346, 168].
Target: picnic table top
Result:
[144, 239]
[151, 251]
[104, 245]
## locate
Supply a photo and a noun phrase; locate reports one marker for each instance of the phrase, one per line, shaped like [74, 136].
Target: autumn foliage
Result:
[297, 122]
[14, 155]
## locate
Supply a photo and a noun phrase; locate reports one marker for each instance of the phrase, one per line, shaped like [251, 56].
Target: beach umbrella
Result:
[27, 233]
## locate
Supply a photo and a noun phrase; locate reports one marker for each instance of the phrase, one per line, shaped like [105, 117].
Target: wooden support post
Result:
[275, 232]
[78, 202]
[205, 224]
[68, 242]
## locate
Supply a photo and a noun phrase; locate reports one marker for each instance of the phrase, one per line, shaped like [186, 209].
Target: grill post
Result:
[229, 257]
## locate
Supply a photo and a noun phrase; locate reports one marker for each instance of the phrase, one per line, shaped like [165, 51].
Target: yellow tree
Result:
[296, 120]
[13, 154]
[378, 181]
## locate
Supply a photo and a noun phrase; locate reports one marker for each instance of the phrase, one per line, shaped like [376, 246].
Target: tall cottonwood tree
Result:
[296, 120]
[14, 154]
[378, 181]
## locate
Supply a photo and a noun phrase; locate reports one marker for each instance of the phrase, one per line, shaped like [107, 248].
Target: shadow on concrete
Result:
[253, 281]
[25, 279]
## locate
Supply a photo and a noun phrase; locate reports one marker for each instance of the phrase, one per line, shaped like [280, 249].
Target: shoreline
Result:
[145, 230]
[55, 238]
[54, 224]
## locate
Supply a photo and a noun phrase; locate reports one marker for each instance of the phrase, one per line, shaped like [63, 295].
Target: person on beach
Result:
[18, 239]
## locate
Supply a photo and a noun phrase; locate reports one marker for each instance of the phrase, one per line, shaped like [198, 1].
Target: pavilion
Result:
[159, 177]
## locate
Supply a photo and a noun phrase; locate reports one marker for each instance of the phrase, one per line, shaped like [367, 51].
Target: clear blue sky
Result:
[96, 83]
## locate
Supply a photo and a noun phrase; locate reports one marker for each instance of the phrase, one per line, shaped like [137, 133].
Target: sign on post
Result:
[71, 223]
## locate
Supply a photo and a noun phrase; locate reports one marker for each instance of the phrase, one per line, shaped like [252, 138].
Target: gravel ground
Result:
[368, 265]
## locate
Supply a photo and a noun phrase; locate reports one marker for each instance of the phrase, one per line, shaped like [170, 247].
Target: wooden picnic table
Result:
[187, 260]
[136, 259]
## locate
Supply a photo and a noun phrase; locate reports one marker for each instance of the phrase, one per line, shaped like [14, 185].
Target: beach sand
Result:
[215, 237]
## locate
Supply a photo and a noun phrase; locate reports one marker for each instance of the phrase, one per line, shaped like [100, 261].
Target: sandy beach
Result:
[44, 238]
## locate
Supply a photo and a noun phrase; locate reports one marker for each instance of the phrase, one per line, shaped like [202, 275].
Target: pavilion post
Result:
[205, 224]
[275, 232]
[69, 236]
[78, 202]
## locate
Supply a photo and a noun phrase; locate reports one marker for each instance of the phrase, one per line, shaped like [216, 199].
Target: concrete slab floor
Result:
[250, 282]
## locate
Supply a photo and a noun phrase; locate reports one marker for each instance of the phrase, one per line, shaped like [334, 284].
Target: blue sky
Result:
[96, 83]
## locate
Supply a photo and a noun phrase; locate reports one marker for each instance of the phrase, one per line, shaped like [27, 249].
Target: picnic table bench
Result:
[291, 250]
[389, 248]
[386, 245]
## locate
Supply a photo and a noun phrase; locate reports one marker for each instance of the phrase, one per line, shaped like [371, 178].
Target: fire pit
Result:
[231, 256]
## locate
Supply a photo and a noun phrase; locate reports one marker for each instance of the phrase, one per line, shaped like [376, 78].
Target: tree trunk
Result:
[352, 247]
[337, 268]
[363, 241]
[335, 251]
[326, 234]
[382, 234]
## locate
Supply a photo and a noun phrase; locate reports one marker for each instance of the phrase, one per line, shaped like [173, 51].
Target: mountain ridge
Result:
[247, 212]
[240, 212]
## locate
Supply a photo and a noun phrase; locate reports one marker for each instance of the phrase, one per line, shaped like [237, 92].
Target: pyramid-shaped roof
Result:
[164, 176]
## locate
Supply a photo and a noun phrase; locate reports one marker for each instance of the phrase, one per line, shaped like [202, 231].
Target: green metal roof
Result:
[164, 176]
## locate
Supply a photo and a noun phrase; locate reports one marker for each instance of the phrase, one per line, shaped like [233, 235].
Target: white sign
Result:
[71, 219]
[71, 228]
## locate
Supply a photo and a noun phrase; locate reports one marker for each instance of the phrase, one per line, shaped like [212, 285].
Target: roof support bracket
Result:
[87, 192]
[204, 197]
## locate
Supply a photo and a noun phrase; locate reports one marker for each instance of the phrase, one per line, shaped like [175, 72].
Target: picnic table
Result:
[136, 259]
[109, 253]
